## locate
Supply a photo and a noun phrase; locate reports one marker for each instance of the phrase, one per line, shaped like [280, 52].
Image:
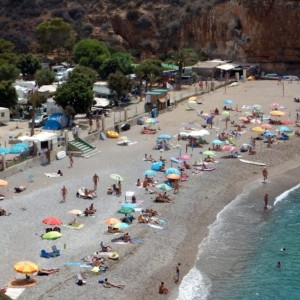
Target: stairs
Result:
[86, 149]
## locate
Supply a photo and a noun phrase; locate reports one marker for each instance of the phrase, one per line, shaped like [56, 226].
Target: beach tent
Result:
[56, 122]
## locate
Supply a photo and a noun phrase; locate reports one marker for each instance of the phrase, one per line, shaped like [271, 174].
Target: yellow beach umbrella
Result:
[258, 129]
[193, 98]
[277, 113]
[3, 182]
[26, 267]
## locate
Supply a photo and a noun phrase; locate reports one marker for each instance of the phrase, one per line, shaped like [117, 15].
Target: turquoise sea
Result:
[238, 259]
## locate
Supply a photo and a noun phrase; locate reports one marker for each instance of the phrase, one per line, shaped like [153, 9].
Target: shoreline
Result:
[141, 267]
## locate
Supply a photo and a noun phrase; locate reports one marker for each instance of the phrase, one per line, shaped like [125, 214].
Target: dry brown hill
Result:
[264, 31]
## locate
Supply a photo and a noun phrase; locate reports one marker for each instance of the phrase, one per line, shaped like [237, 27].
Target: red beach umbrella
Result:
[52, 221]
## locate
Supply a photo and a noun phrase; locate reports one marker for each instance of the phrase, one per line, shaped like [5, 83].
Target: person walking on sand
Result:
[266, 200]
[163, 289]
[265, 174]
[64, 193]
[91, 123]
[176, 277]
[95, 180]
[176, 187]
[119, 188]
[71, 160]
[98, 123]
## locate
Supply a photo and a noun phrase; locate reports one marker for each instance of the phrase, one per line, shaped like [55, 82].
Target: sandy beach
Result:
[143, 266]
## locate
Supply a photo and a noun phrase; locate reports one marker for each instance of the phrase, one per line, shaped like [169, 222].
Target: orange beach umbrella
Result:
[26, 267]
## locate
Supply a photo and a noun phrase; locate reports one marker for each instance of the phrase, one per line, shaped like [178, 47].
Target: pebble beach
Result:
[143, 266]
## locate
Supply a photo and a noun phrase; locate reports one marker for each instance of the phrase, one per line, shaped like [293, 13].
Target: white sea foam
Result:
[193, 286]
[285, 194]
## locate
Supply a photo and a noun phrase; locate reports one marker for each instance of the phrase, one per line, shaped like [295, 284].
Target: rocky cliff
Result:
[264, 31]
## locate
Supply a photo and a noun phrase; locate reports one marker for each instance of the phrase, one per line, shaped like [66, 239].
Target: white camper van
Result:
[4, 115]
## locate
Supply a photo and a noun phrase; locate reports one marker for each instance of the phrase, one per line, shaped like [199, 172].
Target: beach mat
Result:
[89, 216]
[77, 226]
[134, 241]
[14, 293]
[72, 264]
[156, 226]
[21, 283]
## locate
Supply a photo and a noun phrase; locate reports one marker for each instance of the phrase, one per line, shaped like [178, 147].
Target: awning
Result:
[227, 67]
[162, 100]
[101, 102]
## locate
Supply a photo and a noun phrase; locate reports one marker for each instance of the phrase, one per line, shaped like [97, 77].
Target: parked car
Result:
[290, 77]
[272, 76]
[39, 120]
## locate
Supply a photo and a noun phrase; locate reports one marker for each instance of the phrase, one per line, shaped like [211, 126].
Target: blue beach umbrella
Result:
[150, 172]
[172, 171]
[228, 102]
[4, 150]
[269, 134]
[164, 137]
[216, 142]
[156, 166]
[284, 128]
[164, 187]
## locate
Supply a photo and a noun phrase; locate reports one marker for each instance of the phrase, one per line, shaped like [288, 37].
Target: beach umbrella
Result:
[164, 187]
[286, 122]
[112, 221]
[225, 113]
[164, 137]
[266, 126]
[150, 172]
[228, 148]
[156, 166]
[209, 153]
[193, 98]
[52, 235]
[204, 132]
[284, 128]
[75, 212]
[217, 142]
[255, 121]
[269, 134]
[258, 129]
[130, 205]
[4, 150]
[116, 177]
[151, 121]
[184, 157]
[256, 107]
[195, 133]
[228, 102]
[172, 171]
[26, 267]
[121, 225]
[3, 182]
[277, 113]
[173, 176]
[126, 210]
[52, 221]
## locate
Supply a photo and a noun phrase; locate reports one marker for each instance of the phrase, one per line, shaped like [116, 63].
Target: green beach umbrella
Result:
[52, 235]
[126, 210]
[209, 153]
[225, 113]
[164, 187]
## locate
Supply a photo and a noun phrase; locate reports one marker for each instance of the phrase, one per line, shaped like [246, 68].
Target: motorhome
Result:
[4, 115]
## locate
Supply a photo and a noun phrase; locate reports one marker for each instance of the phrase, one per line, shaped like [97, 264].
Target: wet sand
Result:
[141, 267]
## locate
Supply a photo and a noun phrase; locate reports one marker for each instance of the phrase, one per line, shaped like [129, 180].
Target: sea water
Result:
[238, 258]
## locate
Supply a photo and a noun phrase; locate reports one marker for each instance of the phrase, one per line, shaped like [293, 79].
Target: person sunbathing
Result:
[3, 212]
[109, 284]
[149, 190]
[127, 238]
[138, 182]
[186, 165]
[90, 210]
[143, 219]
[104, 248]
[19, 189]
[46, 272]
[209, 159]
[162, 198]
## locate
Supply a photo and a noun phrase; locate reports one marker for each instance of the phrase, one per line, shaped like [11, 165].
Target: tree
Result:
[183, 58]
[8, 94]
[149, 69]
[7, 52]
[44, 76]
[119, 84]
[90, 53]
[89, 72]
[9, 72]
[28, 64]
[55, 34]
[76, 93]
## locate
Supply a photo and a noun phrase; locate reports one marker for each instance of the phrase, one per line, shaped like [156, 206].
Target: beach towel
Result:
[103, 253]
[130, 143]
[17, 283]
[14, 293]
[72, 264]
[83, 215]
[156, 226]
[52, 175]
[75, 226]
[138, 203]
[121, 242]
